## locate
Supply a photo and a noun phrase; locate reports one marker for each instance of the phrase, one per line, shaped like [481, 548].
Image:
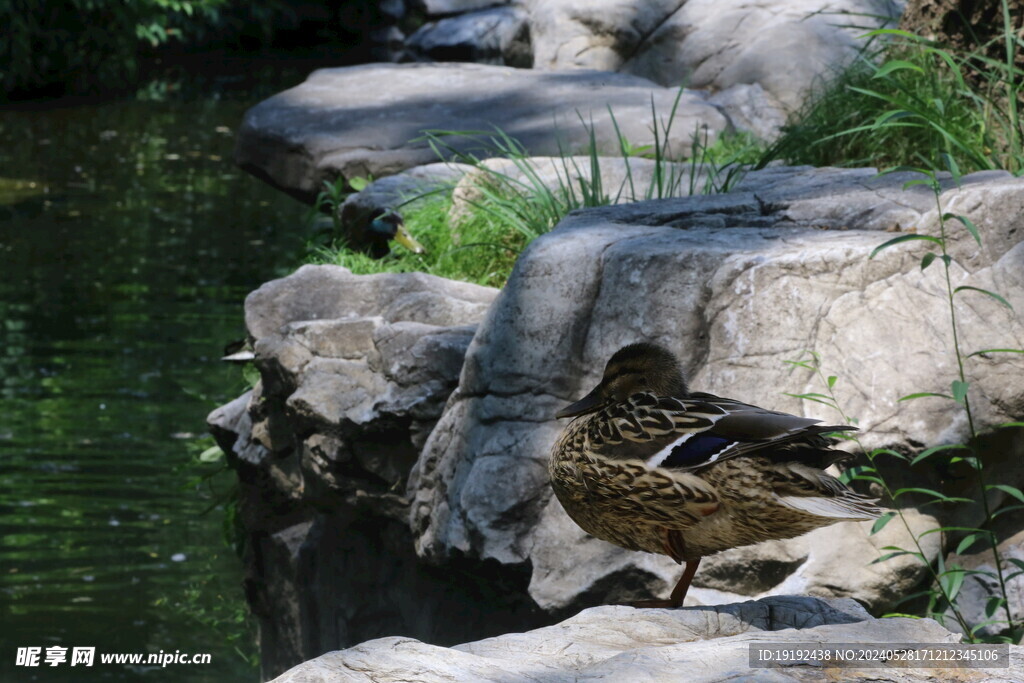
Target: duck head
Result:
[633, 369]
[386, 226]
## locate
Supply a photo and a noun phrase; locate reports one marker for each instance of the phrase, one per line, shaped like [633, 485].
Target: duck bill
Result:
[587, 404]
[406, 240]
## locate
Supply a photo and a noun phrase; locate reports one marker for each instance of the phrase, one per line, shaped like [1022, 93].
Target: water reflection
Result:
[127, 243]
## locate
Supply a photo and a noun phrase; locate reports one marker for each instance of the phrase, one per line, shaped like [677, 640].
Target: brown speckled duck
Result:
[648, 465]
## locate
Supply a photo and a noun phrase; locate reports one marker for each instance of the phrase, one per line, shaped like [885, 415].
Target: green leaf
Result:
[1006, 488]
[968, 541]
[951, 581]
[947, 159]
[927, 259]
[967, 223]
[896, 65]
[927, 492]
[358, 183]
[1002, 511]
[867, 477]
[896, 553]
[211, 454]
[987, 622]
[949, 499]
[881, 522]
[987, 351]
[861, 469]
[948, 529]
[905, 238]
[964, 288]
[960, 391]
[812, 397]
[832, 379]
[993, 604]
[970, 460]
[936, 449]
[909, 597]
[910, 397]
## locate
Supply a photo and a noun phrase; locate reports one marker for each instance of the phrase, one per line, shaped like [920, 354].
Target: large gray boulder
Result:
[355, 371]
[370, 120]
[736, 285]
[785, 46]
[626, 644]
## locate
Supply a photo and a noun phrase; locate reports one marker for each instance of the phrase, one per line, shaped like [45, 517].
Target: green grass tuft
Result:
[912, 104]
[482, 251]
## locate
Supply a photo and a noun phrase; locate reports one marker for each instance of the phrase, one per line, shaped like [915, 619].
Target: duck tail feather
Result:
[848, 507]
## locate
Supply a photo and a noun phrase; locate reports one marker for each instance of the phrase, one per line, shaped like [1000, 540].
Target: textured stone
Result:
[343, 123]
[447, 7]
[354, 372]
[982, 585]
[783, 45]
[498, 35]
[625, 644]
[333, 293]
[751, 110]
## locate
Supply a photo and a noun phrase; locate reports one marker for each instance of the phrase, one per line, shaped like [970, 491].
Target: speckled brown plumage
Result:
[647, 465]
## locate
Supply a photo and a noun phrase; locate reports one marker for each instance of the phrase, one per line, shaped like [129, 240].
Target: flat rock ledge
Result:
[370, 120]
[618, 643]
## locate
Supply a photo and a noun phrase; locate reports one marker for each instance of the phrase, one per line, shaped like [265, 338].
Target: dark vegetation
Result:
[103, 48]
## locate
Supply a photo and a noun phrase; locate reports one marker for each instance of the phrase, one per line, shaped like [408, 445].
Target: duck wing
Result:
[688, 434]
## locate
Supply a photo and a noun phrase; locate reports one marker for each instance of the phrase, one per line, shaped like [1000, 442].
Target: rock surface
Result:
[342, 123]
[751, 109]
[783, 45]
[736, 285]
[355, 371]
[497, 35]
[625, 644]
[435, 8]
[981, 586]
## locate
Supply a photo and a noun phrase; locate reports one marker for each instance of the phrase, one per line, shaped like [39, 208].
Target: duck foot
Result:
[652, 603]
[678, 593]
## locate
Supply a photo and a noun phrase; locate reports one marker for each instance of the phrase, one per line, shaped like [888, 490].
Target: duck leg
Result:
[679, 592]
[675, 548]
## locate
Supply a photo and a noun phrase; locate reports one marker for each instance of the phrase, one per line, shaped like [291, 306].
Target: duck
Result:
[374, 230]
[386, 225]
[648, 465]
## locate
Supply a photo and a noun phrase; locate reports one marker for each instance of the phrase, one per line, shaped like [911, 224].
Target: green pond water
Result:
[128, 241]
